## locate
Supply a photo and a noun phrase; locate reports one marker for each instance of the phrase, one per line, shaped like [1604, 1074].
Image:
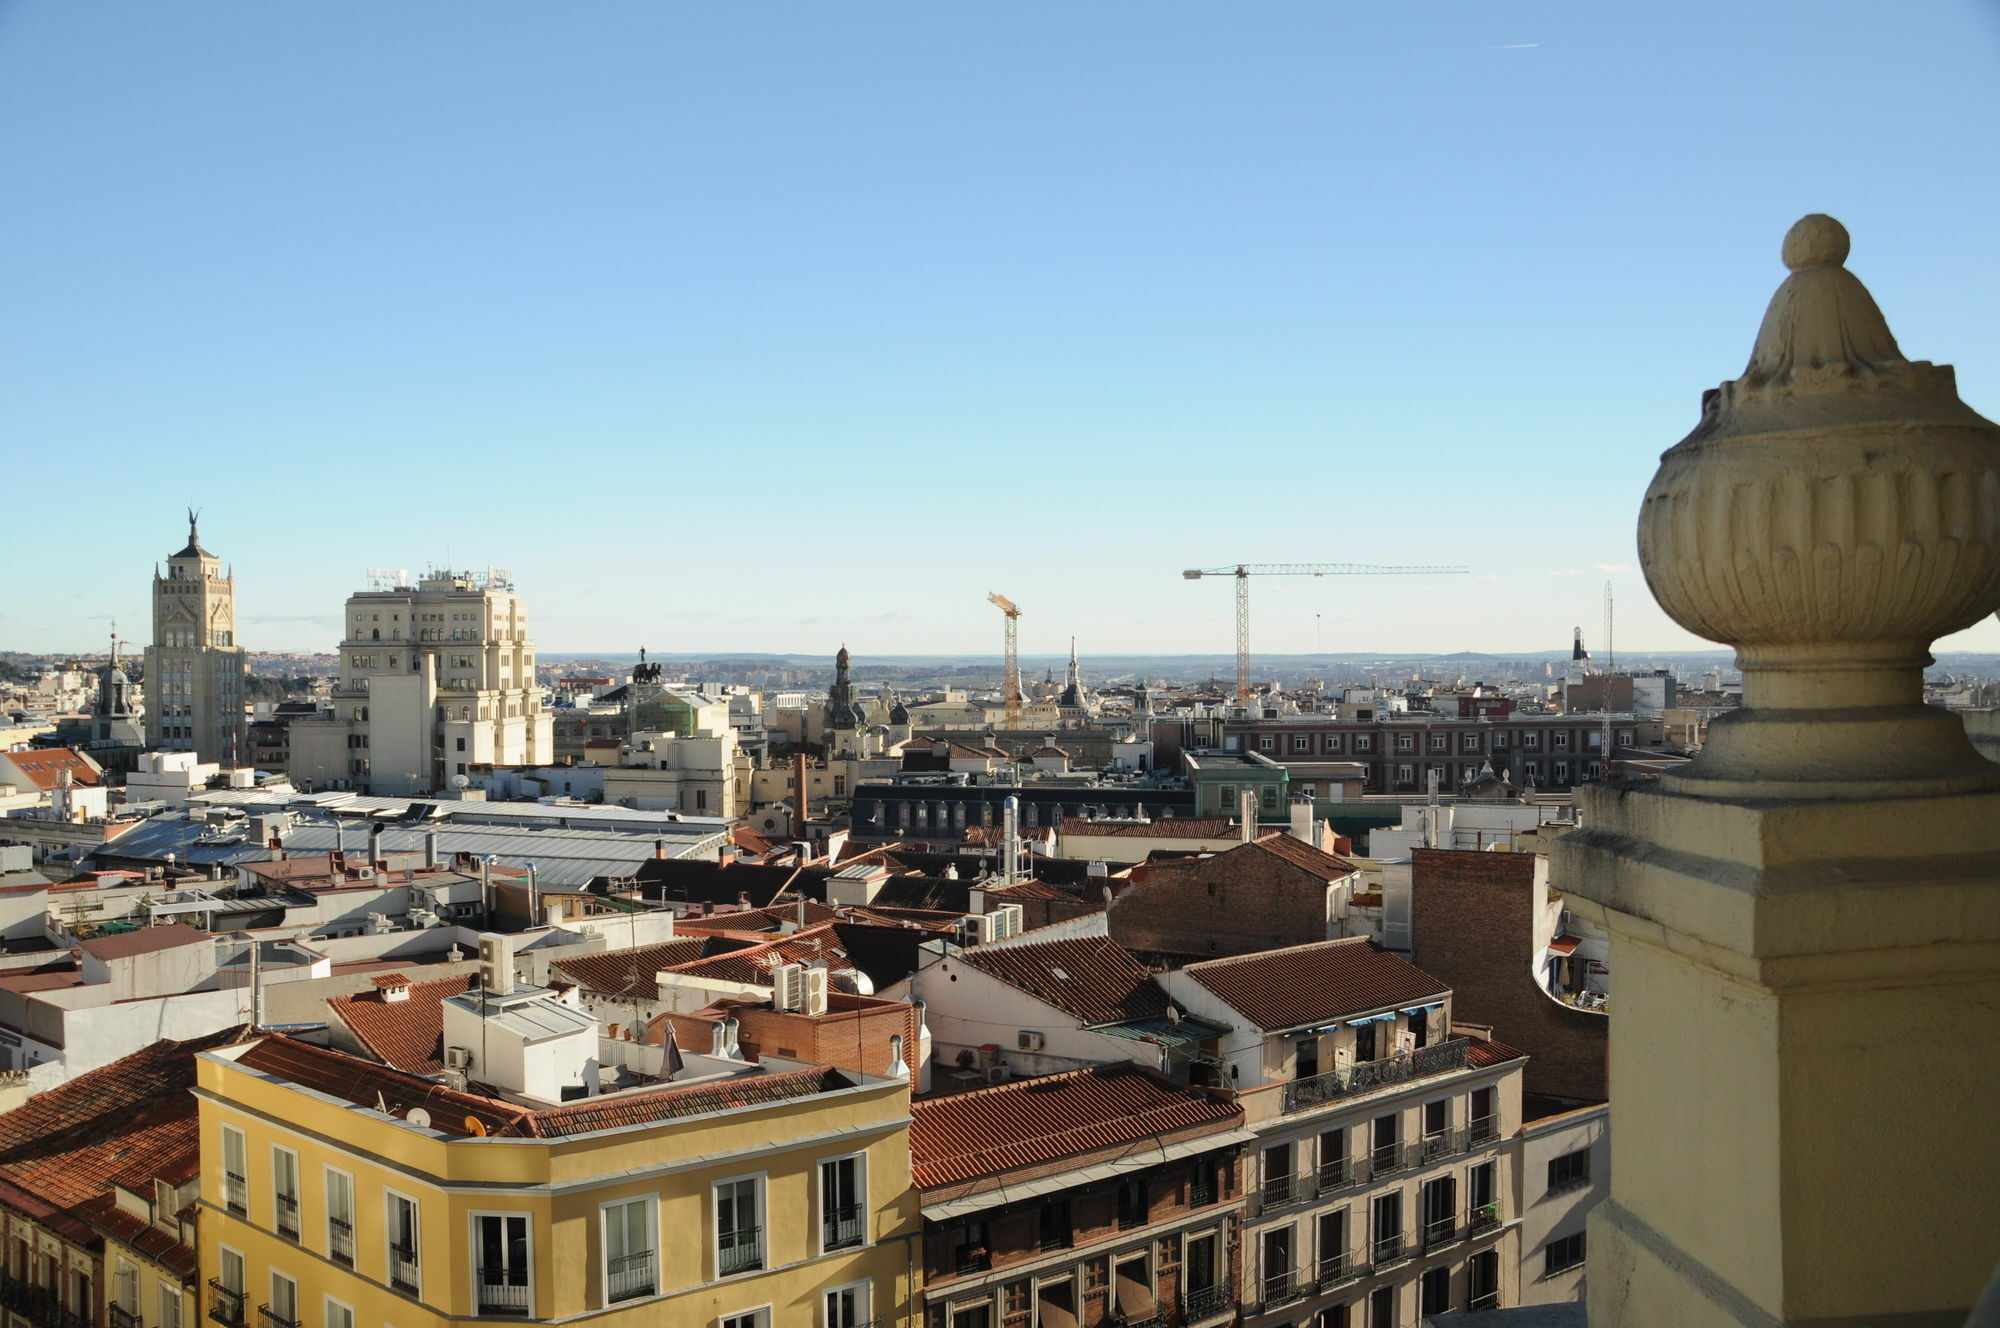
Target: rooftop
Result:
[406, 1034]
[1090, 978]
[1308, 985]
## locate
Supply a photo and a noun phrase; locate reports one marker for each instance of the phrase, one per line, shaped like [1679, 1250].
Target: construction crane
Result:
[1010, 678]
[1244, 571]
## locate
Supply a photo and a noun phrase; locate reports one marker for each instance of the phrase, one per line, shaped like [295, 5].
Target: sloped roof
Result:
[1301, 854]
[629, 973]
[43, 766]
[145, 940]
[1090, 978]
[753, 964]
[1030, 1122]
[1482, 1052]
[408, 1034]
[1172, 827]
[1315, 984]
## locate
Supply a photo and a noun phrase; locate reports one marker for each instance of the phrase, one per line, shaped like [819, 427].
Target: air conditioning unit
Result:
[1007, 921]
[496, 964]
[977, 929]
[458, 1058]
[788, 987]
[999, 1074]
[1030, 1039]
[816, 980]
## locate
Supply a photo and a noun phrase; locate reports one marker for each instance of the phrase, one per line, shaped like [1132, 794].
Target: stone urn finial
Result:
[1835, 511]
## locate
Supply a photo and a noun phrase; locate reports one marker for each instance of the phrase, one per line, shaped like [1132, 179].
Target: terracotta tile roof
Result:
[1301, 854]
[145, 940]
[754, 964]
[43, 766]
[1315, 984]
[408, 1034]
[1030, 1122]
[1482, 1052]
[1173, 827]
[1565, 943]
[632, 972]
[125, 1123]
[387, 980]
[354, 1080]
[135, 1233]
[1089, 978]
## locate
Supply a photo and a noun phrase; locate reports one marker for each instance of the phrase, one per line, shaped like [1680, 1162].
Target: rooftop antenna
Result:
[1610, 655]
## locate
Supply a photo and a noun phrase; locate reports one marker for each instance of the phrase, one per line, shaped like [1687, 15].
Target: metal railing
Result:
[1485, 1300]
[1282, 1289]
[1336, 1175]
[340, 1241]
[1482, 1219]
[1201, 1302]
[288, 1216]
[1568, 1183]
[1442, 1143]
[1442, 1231]
[122, 1317]
[740, 1250]
[1386, 1158]
[1128, 1220]
[1336, 1269]
[973, 1259]
[1278, 1191]
[1484, 1129]
[403, 1272]
[236, 1192]
[843, 1226]
[270, 1318]
[1385, 1250]
[501, 1290]
[225, 1304]
[630, 1275]
[1438, 1058]
[1200, 1193]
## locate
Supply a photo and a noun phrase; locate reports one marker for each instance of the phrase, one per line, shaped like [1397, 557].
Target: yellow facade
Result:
[560, 1186]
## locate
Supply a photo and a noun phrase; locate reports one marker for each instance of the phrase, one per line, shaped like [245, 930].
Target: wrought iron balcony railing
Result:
[630, 1275]
[1282, 1289]
[1438, 1058]
[842, 1227]
[340, 1241]
[225, 1304]
[404, 1274]
[288, 1216]
[1280, 1191]
[1442, 1231]
[270, 1318]
[740, 1250]
[1336, 1270]
[1203, 1302]
[501, 1290]
[1337, 1175]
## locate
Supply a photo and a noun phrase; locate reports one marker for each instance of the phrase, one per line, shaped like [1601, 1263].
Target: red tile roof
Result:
[453, 1112]
[1172, 827]
[1090, 978]
[407, 1034]
[629, 973]
[161, 1246]
[145, 940]
[1482, 1052]
[1301, 854]
[125, 1123]
[754, 964]
[1315, 984]
[44, 766]
[1031, 1122]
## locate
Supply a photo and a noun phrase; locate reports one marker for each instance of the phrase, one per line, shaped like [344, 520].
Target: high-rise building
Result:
[434, 678]
[194, 668]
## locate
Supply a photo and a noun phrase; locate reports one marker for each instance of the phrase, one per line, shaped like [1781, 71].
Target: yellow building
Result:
[336, 1193]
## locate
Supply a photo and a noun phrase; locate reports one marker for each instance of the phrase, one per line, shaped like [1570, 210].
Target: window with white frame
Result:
[1562, 740]
[340, 1216]
[285, 1190]
[1266, 743]
[283, 1311]
[1364, 742]
[235, 1171]
[843, 1203]
[1302, 742]
[170, 1305]
[1469, 742]
[759, 1318]
[1562, 772]
[500, 1260]
[739, 1230]
[1330, 743]
[339, 1314]
[1532, 741]
[402, 1231]
[847, 1306]
[630, 1245]
[1439, 742]
[1406, 742]
[125, 1288]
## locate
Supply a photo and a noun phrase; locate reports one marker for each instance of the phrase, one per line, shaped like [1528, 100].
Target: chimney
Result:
[975, 900]
[801, 799]
[430, 848]
[1302, 820]
[1247, 807]
[277, 847]
[660, 849]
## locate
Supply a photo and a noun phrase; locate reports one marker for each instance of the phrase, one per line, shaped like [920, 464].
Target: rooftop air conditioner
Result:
[816, 987]
[1030, 1039]
[458, 1058]
[1007, 921]
[787, 987]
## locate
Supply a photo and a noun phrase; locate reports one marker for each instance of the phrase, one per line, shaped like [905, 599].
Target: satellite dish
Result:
[475, 1127]
[460, 781]
[418, 1117]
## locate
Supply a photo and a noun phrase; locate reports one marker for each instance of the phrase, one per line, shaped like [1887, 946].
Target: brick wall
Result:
[1240, 902]
[1471, 923]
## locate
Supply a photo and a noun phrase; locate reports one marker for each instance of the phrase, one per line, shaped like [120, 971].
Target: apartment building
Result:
[1383, 1185]
[702, 1190]
[1399, 753]
[434, 679]
[1107, 1195]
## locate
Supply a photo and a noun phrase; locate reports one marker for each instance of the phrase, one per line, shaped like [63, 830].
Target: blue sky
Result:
[771, 326]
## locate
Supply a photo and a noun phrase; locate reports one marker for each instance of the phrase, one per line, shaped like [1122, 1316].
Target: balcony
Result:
[236, 1193]
[630, 1276]
[340, 1241]
[288, 1216]
[1338, 1175]
[1387, 1250]
[122, 1317]
[1483, 1130]
[225, 1304]
[1438, 1058]
[270, 1318]
[501, 1291]
[842, 1227]
[1282, 1289]
[1442, 1144]
[1282, 1191]
[1443, 1231]
[1336, 1270]
[739, 1251]
[1386, 1159]
[403, 1274]
[1201, 1193]
[972, 1259]
[1484, 1300]
[1483, 1219]
[1204, 1302]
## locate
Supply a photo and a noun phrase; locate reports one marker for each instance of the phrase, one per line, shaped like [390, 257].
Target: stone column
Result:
[1805, 1039]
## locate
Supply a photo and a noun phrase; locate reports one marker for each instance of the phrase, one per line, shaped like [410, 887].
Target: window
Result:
[1205, 1183]
[1406, 774]
[1302, 742]
[971, 1250]
[1333, 1261]
[848, 1306]
[170, 1305]
[402, 1233]
[1593, 741]
[1386, 1227]
[285, 1191]
[739, 1233]
[1436, 1291]
[1562, 772]
[629, 1242]
[1437, 1135]
[1266, 743]
[1532, 741]
[1469, 742]
[1485, 1122]
[125, 1288]
[1333, 1167]
[1482, 1281]
[338, 1315]
[1406, 742]
[283, 1311]
[1364, 742]
[1439, 742]
[1382, 1308]
[226, 1292]
[1132, 1290]
[1134, 1207]
[1570, 1171]
[1439, 1207]
[1561, 1255]
[1499, 739]
[1482, 1199]
[1387, 1154]
[1330, 743]
[1278, 1178]
[1055, 1302]
[1053, 1226]
[235, 1171]
[1562, 740]
[842, 1203]
[1305, 1061]
[500, 1263]
[1280, 1275]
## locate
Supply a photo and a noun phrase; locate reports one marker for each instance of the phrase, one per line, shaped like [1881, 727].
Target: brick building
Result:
[1398, 753]
[1274, 891]
[1105, 1195]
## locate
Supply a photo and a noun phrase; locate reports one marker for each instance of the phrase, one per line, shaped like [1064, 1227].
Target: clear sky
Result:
[768, 326]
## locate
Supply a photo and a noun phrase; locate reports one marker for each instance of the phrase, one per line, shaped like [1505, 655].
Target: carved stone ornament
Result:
[1835, 511]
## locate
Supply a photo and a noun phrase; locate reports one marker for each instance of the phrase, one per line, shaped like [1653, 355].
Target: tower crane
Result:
[1244, 571]
[1010, 677]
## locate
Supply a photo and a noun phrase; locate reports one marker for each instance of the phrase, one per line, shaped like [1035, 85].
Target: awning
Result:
[1425, 1009]
[1565, 944]
[1138, 1159]
[1055, 1314]
[1371, 1019]
[1189, 1032]
[1135, 1302]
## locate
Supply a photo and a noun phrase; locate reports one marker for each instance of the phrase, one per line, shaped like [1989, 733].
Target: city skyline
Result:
[713, 328]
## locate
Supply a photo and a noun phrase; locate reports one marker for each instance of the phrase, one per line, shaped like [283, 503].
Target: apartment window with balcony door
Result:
[1340, 1316]
[1305, 1060]
[226, 1290]
[1205, 1180]
[1438, 1203]
[1279, 1272]
[402, 1232]
[340, 1216]
[1132, 1290]
[1437, 1128]
[235, 1171]
[1334, 1171]
[283, 1311]
[1482, 1198]
[1382, 1308]
[339, 1314]
[1334, 1263]
[1134, 1209]
[1386, 1152]
[739, 1230]
[1386, 1227]
[1482, 1281]
[1278, 1174]
[1435, 1291]
[1200, 1270]
[170, 1305]
[1484, 1124]
[842, 1203]
[125, 1296]
[285, 1190]
[1053, 1227]
[848, 1306]
[500, 1257]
